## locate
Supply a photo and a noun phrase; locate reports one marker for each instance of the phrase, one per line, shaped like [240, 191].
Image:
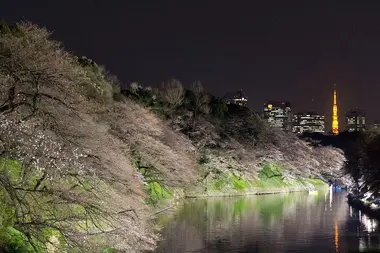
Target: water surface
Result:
[296, 222]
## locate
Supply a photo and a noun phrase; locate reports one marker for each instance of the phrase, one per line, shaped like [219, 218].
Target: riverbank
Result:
[228, 191]
[257, 192]
[271, 179]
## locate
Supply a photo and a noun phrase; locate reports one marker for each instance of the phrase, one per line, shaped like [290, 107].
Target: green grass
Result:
[270, 170]
[240, 184]
[157, 192]
[11, 239]
[11, 168]
[109, 250]
[274, 182]
[229, 181]
[155, 188]
[269, 177]
[221, 183]
[316, 182]
[14, 241]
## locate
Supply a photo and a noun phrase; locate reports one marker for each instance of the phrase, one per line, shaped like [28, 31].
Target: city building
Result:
[237, 98]
[335, 124]
[309, 122]
[278, 114]
[355, 120]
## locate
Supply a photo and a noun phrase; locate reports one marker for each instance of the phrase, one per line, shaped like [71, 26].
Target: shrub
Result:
[173, 92]
[219, 109]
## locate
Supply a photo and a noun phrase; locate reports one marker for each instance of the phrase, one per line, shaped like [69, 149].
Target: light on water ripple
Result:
[297, 222]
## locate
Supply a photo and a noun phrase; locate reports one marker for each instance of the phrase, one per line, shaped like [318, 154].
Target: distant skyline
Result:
[273, 50]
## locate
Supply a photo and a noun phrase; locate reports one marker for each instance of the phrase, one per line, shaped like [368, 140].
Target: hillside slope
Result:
[68, 151]
[239, 150]
[83, 167]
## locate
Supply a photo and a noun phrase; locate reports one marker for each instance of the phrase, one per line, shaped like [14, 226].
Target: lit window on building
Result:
[278, 114]
[355, 120]
[237, 98]
[309, 122]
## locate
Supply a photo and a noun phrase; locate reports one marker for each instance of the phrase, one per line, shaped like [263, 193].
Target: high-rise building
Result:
[335, 124]
[237, 98]
[355, 120]
[309, 122]
[278, 114]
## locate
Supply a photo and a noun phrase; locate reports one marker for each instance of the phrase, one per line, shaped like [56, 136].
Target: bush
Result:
[219, 109]
[13, 241]
[95, 82]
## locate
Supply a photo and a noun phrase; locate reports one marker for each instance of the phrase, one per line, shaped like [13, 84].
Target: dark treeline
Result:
[362, 152]
[187, 110]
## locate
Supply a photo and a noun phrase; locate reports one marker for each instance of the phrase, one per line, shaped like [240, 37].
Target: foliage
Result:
[30, 65]
[221, 183]
[363, 161]
[4, 28]
[154, 185]
[200, 100]
[58, 189]
[157, 192]
[41, 202]
[316, 182]
[219, 108]
[97, 82]
[173, 92]
[226, 182]
[246, 126]
[13, 241]
[240, 184]
[10, 29]
[271, 170]
[109, 250]
[203, 159]
[270, 182]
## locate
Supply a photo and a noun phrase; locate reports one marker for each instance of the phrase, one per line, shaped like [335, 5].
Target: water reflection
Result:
[298, 222]
[366, 230]
[336, 237]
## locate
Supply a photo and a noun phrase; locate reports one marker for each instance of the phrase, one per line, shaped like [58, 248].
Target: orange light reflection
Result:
[336, 237]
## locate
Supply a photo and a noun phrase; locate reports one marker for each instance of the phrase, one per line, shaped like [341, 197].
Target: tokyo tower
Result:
[335, 126]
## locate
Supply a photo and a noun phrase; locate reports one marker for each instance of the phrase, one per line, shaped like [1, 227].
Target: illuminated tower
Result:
[335, 126]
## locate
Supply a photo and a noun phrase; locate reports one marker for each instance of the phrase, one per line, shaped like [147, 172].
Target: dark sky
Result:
[273, 50]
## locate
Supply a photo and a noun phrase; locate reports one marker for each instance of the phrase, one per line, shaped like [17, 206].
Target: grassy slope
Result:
[270, 179]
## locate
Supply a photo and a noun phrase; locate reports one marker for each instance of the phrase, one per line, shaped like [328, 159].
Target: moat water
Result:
[296, 222]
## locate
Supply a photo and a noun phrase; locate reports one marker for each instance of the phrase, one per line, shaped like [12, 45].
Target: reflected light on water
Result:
[285, 223]
[362, 244]
[369, 224]
[336, 237]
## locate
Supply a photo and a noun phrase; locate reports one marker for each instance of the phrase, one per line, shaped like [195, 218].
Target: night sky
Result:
[273, 50]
